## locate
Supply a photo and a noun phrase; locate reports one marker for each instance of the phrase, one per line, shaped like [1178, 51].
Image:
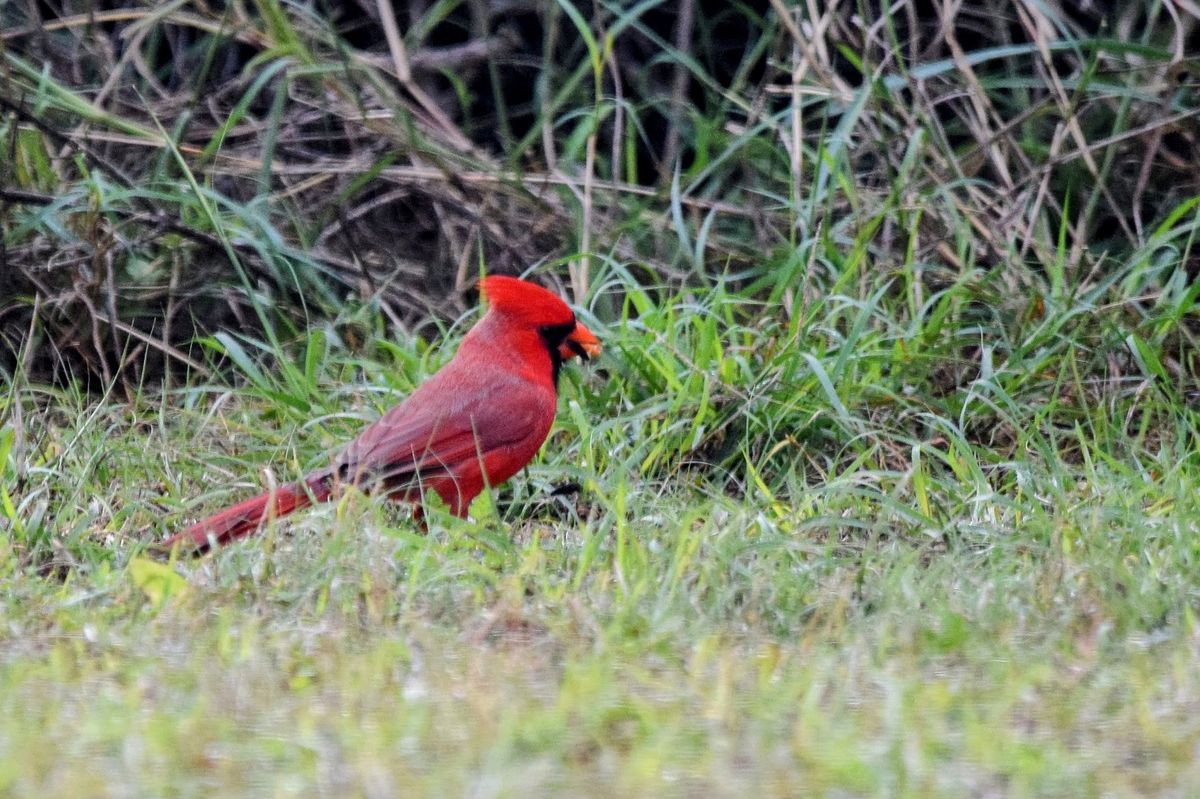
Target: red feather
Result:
[475, 423]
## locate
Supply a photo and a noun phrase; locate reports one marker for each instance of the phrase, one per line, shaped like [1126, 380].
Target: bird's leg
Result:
[418, 516]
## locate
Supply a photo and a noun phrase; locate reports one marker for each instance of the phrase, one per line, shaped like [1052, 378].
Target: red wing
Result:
[405, 446]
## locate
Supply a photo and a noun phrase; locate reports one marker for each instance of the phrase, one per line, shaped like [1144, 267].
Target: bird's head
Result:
[535, 308]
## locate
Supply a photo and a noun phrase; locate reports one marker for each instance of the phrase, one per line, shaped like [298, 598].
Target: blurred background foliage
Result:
[171, 170]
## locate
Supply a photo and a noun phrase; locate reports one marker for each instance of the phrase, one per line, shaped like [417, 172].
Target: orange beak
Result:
[581, 342]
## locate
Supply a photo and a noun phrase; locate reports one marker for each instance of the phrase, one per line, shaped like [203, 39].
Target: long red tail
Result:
[246, 517]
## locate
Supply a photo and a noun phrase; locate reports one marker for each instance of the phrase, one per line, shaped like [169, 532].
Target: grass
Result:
[893, 606]
[887, 475]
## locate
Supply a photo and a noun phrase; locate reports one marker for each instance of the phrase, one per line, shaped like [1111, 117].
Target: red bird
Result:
[475, 423]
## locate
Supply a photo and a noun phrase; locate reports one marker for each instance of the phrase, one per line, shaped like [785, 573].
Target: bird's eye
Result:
[554, 335]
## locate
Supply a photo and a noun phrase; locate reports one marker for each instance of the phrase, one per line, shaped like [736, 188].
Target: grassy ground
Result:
[887, 475]
[917, 614]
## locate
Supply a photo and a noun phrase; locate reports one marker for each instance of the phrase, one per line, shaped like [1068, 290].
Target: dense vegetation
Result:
[886, 483]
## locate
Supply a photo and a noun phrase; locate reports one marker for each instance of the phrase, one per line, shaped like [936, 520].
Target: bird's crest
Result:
[526, 301]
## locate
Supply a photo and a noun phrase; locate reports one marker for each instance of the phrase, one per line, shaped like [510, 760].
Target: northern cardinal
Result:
[475, 423]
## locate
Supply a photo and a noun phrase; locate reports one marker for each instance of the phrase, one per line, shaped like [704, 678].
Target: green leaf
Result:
[1146, 357]
[158, 581]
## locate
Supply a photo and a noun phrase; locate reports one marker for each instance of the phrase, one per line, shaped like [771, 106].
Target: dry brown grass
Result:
[175, 170]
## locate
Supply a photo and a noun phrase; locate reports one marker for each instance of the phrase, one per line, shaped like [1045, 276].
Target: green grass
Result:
[853, 592]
